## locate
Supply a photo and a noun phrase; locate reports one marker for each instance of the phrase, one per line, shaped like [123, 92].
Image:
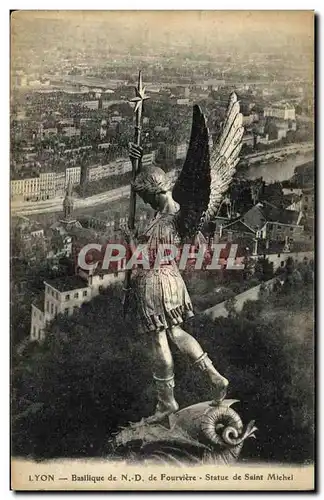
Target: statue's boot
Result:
[166, 403]
[220, 383]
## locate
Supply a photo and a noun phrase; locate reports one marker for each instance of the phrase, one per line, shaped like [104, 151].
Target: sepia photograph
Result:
[162, 234]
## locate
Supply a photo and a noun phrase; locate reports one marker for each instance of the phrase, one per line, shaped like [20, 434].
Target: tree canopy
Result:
[94, 373]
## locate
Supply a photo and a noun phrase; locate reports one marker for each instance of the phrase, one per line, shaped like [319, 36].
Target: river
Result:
[278, 170]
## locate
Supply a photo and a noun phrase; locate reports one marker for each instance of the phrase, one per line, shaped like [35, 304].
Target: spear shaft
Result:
[135, 169]
[140, 97]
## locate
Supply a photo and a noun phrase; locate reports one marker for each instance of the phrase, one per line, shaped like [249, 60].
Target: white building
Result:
[160, 128]
[297, 191]
[71, 131]
[46, 131]
[61, 296]
[47, 182]
[176, 152]
[213, 84]
[148, 159]
[184, 102]
[60, 183]
[282, 111]
[73, 175]
[96, 172]
[37, 232]
[91, 104]
[66, 295]
[66, 121]
[181, 151]
[44, 187]
[279, 259]
[118, 167]
[25, 189]
[104, 145]
[124, 166]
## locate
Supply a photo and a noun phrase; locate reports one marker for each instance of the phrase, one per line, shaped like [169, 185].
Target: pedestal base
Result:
[198, 434]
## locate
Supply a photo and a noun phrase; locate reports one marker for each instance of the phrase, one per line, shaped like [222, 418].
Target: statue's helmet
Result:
[152, 180]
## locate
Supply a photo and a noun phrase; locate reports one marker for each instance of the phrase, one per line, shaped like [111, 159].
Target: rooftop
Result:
[290, 198]
[274, 214]
[246, 246]
[273, 247]
[281, 105]
[277, 247]
[257, 216]
[49, 125]
[67, 283]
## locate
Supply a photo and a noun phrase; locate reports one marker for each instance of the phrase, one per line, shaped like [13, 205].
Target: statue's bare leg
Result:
[164, 378]
[189, 345]
[163, 361]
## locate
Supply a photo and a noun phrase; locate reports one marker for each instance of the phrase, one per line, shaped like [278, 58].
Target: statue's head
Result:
[151, 184]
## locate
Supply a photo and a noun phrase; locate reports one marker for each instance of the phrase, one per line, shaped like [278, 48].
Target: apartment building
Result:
[282, 111]
[72, 175]
[67, 294]
[47, 185]
[61, 296]
[25, 189]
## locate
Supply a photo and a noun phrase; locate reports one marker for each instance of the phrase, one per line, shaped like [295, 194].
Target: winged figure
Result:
[161, 297]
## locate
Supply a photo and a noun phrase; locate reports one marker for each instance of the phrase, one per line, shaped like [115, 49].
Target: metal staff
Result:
[139, 99]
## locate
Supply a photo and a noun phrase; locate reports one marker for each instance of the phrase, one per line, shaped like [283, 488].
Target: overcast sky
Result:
[219, 31]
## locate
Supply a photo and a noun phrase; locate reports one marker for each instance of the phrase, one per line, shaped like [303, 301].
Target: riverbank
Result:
[278, 171]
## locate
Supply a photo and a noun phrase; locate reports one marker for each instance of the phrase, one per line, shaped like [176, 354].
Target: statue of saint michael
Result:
[161, 297]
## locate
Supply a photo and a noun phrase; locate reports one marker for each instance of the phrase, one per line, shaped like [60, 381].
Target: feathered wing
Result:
[192, 188]
[204, 178]
[225, 156]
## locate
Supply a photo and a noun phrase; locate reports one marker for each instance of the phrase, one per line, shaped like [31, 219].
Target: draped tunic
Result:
[161, 296]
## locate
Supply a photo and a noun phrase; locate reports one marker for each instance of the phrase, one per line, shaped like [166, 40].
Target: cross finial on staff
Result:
[140, 94]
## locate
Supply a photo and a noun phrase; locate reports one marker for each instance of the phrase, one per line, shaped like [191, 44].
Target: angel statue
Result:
[161, 297]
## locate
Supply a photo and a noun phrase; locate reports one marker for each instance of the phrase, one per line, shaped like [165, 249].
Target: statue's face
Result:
[150, 199]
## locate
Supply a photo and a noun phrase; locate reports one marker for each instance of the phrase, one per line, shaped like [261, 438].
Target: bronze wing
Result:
[225, 156]
[192, 188]
[205, 177]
